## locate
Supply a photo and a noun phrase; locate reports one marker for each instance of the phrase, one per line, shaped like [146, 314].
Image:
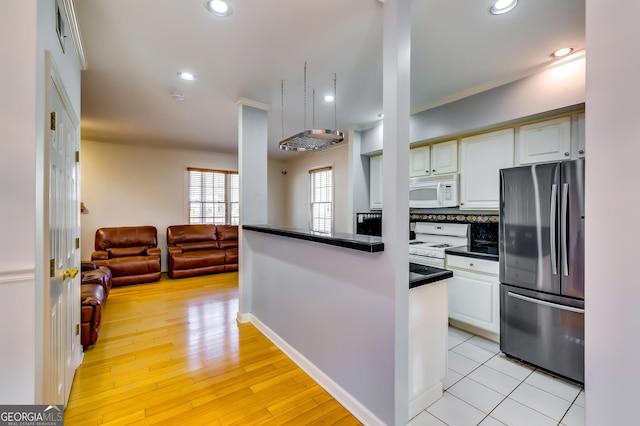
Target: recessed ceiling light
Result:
[186, 76]
[218, 7]
[502, 6]
[329, 98]
[561, 52]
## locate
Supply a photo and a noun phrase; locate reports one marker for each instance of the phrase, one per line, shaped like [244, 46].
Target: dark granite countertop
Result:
[421, 275]
[487, 253]
[350, 241]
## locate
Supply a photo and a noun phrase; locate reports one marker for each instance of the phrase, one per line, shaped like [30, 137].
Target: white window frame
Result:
[313, 226]
[231, 199]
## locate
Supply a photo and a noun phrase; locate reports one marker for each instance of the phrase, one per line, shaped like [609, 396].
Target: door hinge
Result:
[53, 120]
[52, 268]
[77, 329]
[77, 243]
[77, 156]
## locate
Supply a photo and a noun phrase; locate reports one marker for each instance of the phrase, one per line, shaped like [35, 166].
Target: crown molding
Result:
[74, 30]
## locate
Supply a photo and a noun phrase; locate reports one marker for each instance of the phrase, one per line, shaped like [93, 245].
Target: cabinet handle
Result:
[581, 151]
[566, 154]
[471, 265]
[434, 170]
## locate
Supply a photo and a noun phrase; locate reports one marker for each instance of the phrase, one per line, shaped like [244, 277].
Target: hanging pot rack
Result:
[313, 139]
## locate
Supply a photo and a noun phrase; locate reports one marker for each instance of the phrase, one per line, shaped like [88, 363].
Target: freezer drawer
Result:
[546, 331]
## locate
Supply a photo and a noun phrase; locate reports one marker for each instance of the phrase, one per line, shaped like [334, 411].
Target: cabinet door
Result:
[580, 145]
[545, 141]
[375, 182]
[419, 161]
[444, 157]
[481, 158]
[474, 297]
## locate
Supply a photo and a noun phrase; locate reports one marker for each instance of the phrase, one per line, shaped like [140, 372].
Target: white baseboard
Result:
[494, 337]
[342, 396]
[425, 399]
[243, 318]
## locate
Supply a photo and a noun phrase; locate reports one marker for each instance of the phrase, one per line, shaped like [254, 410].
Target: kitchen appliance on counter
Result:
[433, 192]
[541, 249]
[432, 239]
[369, 224]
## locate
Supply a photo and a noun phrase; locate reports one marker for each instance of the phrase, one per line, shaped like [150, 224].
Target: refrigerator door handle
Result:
[565, 208]
[545, 303]
[552, 229]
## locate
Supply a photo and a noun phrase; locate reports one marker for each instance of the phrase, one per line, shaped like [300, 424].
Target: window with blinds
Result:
[214, 197]
[321, 208]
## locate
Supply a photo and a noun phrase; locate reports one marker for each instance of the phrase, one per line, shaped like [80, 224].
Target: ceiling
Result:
[135, 48]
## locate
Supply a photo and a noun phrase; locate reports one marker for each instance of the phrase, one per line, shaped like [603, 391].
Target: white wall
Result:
[554, 88]
[27, 30]
[612, 292]
[297, 186]
[277, 197]
[125, 185]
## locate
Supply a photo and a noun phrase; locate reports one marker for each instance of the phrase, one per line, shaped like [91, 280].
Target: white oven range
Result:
[433, 238]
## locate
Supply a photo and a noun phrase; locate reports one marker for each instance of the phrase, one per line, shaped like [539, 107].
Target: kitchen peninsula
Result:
[328, 301]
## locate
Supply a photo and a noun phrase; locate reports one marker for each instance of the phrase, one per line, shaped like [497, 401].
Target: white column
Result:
[395, 188]
[252, 169]
[612, 286]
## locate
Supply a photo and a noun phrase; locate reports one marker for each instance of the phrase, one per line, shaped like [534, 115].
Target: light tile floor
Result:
[484, 387]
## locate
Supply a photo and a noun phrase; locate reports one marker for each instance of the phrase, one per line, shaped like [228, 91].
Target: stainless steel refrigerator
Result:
[541, 248]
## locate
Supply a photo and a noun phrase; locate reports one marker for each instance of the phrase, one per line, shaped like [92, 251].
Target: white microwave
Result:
[433, 192]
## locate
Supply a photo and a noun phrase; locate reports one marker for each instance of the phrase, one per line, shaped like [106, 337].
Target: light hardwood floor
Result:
[172, 353]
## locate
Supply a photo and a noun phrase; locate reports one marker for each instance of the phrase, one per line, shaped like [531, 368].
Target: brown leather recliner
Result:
[201, 249]
[130, 252]
[96, 282]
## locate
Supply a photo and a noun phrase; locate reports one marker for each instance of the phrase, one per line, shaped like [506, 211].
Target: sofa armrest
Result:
[154, 251]
[174, 250]
[87, 266]
[100, 255]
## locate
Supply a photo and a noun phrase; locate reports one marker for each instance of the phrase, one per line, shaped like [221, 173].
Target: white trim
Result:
[342, 396]
[425, 399]
[254, 104]
[243, 318]
[74, 29]
[16, 275]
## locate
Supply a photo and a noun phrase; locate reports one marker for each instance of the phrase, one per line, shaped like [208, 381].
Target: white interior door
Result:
[62, 338]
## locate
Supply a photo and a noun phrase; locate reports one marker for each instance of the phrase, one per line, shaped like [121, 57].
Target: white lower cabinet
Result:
[474, 294]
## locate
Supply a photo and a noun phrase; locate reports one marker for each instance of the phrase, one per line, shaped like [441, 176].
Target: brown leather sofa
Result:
[95, 285]
[201, 249]
[130, 252]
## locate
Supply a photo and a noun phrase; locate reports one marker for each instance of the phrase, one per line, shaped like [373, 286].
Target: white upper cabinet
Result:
[375, 182]
[579, 151]
[444, 157]
[436, 159]
[420, 161]
[481, 158]
[544, 141]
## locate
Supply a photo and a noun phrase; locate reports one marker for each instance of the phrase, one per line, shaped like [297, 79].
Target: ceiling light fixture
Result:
[329, 98]
[186, 76]
[218, 7]
[502, 6]
[381, 115]
[561, 52]
[310, 140]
